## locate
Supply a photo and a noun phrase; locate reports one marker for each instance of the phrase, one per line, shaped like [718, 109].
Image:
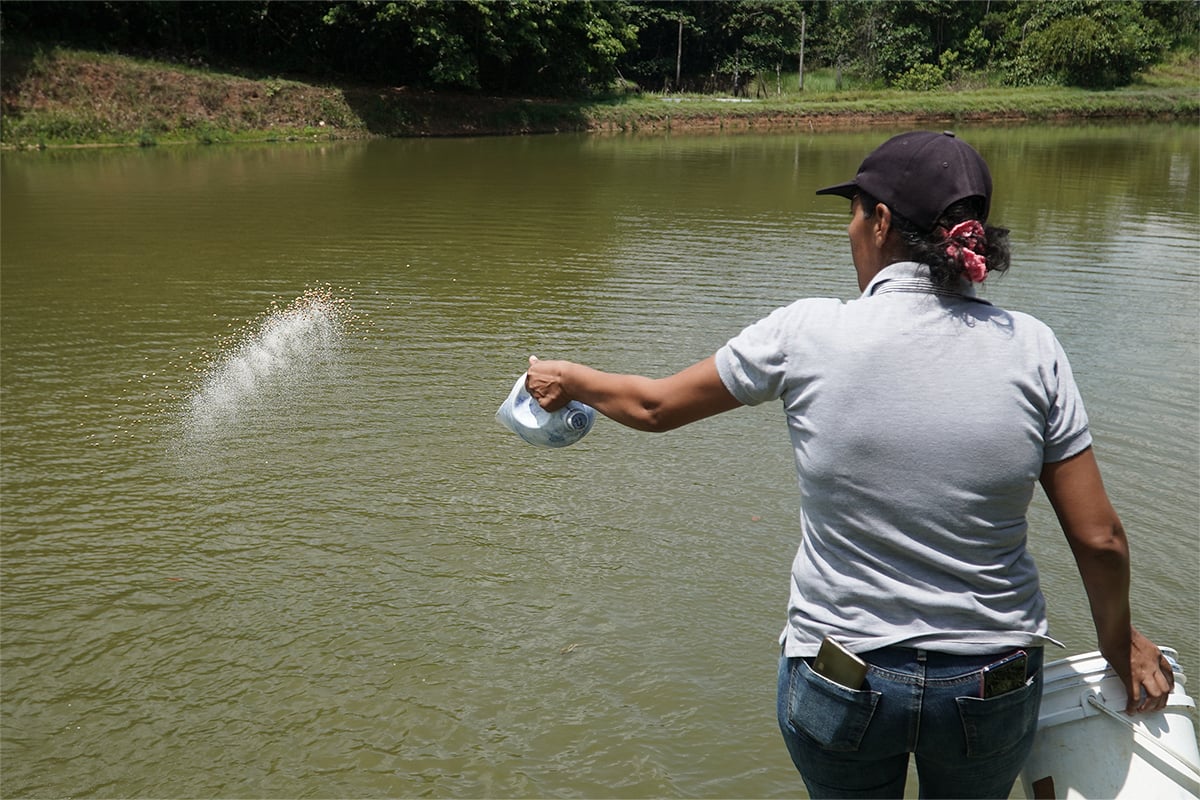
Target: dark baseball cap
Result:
[919, 175]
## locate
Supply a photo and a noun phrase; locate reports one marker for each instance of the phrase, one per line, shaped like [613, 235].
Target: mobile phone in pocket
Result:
[1004, 676]
[840, 665]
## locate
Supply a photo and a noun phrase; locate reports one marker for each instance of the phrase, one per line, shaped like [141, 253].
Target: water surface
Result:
[262, 536]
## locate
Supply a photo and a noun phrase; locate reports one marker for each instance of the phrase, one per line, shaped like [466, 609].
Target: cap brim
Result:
[846, 190]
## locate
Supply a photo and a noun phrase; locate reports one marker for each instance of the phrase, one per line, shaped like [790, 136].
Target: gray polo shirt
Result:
[920, 421]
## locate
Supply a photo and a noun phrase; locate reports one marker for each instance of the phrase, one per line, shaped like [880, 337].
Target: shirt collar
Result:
[909, 276]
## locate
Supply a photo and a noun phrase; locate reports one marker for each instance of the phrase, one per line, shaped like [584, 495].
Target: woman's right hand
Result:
[543, 381]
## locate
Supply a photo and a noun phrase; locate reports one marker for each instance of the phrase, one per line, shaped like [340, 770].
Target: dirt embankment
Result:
[68, 98]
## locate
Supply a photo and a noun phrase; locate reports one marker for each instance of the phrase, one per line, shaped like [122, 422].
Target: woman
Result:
[921, 417]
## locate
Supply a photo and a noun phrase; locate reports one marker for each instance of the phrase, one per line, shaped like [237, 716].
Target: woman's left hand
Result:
[1151, 678]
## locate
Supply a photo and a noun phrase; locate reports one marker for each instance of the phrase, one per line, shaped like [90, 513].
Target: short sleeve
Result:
[1067, 433]
[753, 364]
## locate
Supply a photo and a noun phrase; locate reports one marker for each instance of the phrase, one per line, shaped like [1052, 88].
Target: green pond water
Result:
[262, 536]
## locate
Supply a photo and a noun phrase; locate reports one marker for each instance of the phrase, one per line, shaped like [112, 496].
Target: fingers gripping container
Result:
[1088, 747]
[522, 415]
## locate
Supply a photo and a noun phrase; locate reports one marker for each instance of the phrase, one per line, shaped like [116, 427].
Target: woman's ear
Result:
[883, 224]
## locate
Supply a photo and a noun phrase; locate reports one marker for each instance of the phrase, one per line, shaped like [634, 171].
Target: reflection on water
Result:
[296, 556]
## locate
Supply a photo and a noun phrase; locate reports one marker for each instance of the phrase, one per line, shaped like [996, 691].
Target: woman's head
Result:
[938, 192]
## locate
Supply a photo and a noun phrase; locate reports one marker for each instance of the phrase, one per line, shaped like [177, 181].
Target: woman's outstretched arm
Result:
[647, 404]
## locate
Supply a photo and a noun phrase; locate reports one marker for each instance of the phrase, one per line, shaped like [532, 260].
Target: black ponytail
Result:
[933, 248]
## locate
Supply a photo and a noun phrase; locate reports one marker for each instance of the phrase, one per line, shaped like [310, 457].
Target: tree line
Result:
[581, 47]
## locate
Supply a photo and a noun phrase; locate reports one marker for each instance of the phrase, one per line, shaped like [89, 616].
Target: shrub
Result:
[1101, 48]
[921, 78]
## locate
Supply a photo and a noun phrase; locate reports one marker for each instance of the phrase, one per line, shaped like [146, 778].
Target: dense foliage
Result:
[573, 47]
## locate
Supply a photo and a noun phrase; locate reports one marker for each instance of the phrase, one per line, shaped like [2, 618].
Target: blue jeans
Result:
[855, 743]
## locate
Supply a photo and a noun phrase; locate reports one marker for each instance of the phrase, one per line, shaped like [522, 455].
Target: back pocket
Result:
[833, 716]
[998, 724]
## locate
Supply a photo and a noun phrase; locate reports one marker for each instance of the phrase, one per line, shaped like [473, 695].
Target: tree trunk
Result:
[679, 55]
[802, 21]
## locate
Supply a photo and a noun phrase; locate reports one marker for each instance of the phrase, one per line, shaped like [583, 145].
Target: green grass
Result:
[1026, 103]
[1180, 70]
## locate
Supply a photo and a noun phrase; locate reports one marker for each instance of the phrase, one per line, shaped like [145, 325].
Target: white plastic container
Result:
[1088, 747]
[522, 415]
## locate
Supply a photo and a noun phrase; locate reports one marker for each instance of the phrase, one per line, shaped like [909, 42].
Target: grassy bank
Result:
[58, 97]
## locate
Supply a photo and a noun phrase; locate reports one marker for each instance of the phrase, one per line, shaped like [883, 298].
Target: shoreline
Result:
[73, 99]
[767, 122]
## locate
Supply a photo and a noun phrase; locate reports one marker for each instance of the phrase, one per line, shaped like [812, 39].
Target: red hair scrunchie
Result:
[966, 244]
